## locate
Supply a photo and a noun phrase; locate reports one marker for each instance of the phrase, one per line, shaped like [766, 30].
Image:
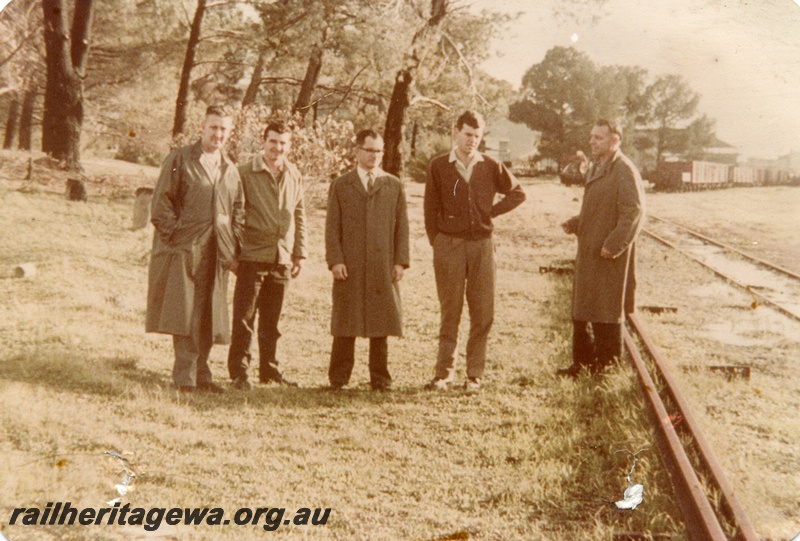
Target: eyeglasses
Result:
[372, 150]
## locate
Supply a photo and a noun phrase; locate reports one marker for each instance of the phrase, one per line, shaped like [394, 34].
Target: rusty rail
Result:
[701, 520]
[753, 292]
[733, 249]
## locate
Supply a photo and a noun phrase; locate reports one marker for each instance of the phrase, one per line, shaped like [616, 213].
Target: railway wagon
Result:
[745, 176]
[692, 175]
[756, 176]
[777, 177]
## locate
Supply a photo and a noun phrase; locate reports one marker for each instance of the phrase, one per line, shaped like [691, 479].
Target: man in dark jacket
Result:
[366, 247]
[459, 207]
[611, 218]
[198, 214]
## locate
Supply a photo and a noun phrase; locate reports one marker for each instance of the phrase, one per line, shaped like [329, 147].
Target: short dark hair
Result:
[361, 137]
[278, 126]
[473, 119]
[613, 126]
[218, 110]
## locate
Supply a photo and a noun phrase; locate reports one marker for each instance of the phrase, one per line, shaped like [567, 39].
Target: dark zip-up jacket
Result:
[464, 209]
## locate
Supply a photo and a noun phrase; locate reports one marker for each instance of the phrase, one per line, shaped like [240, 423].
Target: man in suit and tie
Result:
[366, 248]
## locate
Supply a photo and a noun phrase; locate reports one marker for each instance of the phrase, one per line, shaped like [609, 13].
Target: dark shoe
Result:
[280, 380]
[572, 371]
[210, 387]
[185, 389]
[382, 387]
[242, 384]
[437, 384]
[472, 384]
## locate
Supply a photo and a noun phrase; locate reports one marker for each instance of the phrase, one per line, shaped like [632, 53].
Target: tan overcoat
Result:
[368, 232]
[191, 212]
[612, 214]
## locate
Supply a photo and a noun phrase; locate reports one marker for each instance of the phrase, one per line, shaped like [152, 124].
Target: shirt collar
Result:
[260, 166]
[362, 173]
[476, 158]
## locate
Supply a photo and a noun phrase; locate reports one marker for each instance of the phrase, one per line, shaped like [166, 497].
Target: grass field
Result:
[529, 457]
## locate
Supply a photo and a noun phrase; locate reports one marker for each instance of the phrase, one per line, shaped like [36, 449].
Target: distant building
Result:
[509, 142]
[789, 161]
[720, 152]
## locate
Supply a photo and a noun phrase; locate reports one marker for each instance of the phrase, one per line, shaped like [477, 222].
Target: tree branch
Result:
[467, 68]
[346, 93]
[21, 43]
[431, 101]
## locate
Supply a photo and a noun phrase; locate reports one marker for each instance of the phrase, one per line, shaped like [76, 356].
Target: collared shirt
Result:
[211, 163]
[363, 174]
[466, 171]
[275, 229]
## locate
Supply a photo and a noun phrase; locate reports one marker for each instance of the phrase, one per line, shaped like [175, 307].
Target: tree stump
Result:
[141, 208]
[76, 191]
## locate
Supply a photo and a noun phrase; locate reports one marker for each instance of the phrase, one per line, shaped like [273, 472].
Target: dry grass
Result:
[530, 457]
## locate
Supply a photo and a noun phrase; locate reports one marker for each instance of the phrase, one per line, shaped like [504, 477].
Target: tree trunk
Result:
[26, 118]
[182, 103]
[66, 64]
[395, 122]
[255, 81]
[401, 94]
[11, 123]
[303, 102]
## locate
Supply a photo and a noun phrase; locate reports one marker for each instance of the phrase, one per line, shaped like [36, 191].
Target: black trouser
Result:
[260, 287]
[596, 345]
[343, 359]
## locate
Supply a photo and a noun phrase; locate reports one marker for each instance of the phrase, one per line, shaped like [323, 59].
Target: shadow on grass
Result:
[71, 371]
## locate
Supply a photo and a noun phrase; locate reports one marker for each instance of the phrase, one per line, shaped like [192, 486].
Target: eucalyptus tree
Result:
[67, 53]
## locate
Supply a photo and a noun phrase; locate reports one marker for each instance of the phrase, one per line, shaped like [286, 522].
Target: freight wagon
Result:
[686, 176]
[701, 175]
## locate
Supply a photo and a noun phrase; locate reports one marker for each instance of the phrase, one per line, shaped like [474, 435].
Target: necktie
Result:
[370, 181]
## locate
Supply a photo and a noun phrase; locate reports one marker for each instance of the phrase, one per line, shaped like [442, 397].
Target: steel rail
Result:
[702, 523]
[731, 248]
[733, 509]
[719, 273]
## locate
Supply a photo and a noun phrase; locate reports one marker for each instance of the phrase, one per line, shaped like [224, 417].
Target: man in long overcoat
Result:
[198, 214]
[366, 247]
[611, 217]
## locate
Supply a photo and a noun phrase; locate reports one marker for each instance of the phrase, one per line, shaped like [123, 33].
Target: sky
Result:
[743, 57]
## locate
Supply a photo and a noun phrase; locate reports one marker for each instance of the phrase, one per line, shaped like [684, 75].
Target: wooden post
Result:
[141, 208]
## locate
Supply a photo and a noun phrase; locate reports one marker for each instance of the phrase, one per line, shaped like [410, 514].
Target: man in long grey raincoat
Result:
[366, 247]
[612, 215]
[198, 214]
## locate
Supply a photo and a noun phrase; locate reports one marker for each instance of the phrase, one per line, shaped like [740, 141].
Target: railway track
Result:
[769, 284]
[697, 476]
[675, 424]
